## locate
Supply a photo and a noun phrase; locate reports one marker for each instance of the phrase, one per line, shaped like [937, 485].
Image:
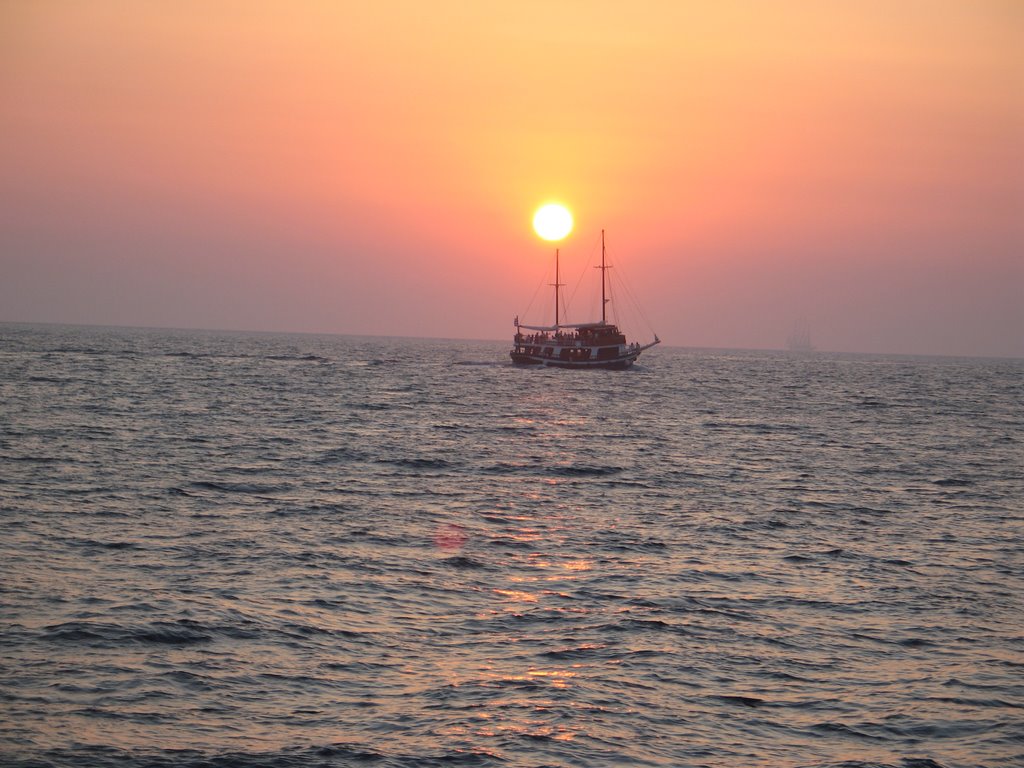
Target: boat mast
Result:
[556, 284]
[604, 301]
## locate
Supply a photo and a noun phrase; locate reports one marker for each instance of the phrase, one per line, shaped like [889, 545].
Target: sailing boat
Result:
[800, 339]
[577, 345]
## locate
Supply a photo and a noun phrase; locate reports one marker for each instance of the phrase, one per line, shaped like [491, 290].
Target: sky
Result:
[373, 168]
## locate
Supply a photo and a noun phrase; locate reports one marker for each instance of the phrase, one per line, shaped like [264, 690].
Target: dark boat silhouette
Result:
[577, 345]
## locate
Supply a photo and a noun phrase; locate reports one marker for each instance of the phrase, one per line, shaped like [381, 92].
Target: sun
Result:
[552, 221]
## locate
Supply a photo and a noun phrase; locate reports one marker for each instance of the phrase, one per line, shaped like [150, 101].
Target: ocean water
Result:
[225, 549]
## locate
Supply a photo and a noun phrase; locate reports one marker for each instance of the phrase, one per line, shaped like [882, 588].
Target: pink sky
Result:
[373, 168]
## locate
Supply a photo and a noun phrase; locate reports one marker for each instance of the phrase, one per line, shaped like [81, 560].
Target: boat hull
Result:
[612, 364]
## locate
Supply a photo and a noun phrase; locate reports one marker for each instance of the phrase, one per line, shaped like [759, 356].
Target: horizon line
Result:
[824, 353]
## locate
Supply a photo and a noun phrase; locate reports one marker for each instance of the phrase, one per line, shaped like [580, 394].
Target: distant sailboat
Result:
[800, 339]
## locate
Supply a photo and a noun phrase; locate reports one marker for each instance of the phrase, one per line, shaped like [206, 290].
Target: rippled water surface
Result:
[247, 550]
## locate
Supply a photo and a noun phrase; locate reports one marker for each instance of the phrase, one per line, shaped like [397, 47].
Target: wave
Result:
[240, 488]
[298, 358]
[584, 470]
[418, 463]
[463, 562]
[107, 635]
[339, 755]
[546, 470]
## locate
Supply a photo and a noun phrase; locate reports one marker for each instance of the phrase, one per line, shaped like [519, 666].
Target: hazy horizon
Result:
[322, 168]
[665, 343]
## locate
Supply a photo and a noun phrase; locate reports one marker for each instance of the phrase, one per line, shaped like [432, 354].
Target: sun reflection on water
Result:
[578, 565]
[516, 595]
[558, 678]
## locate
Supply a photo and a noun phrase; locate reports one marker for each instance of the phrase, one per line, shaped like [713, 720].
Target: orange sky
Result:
[373, 167]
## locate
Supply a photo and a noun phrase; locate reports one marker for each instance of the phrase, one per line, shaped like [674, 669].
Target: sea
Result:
[230, 550]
